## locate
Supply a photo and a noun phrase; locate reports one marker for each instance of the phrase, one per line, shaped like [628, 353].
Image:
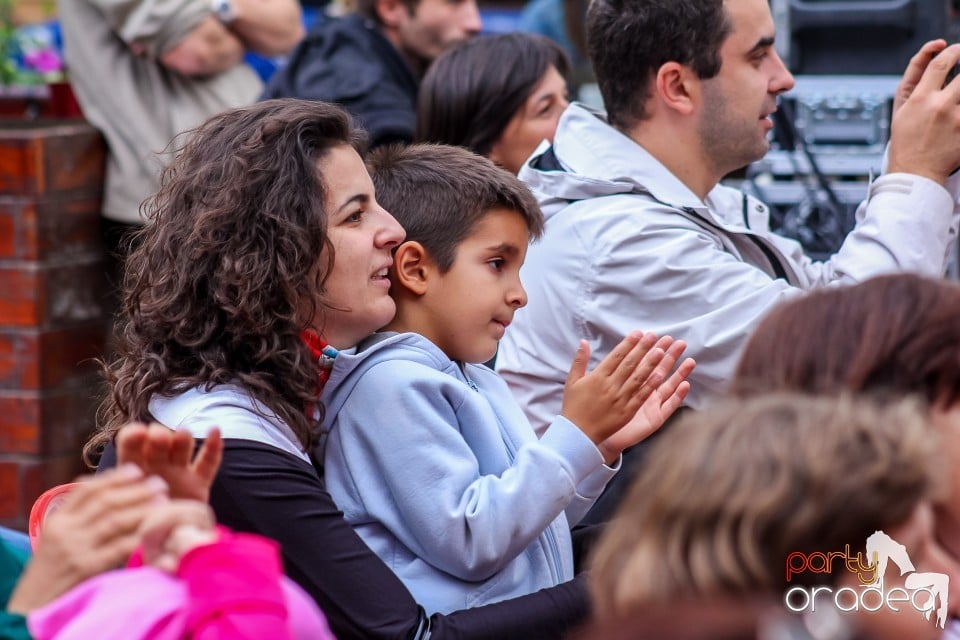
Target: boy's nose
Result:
[517, 297]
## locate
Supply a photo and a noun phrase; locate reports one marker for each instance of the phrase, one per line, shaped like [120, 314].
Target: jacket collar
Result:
[599, 160]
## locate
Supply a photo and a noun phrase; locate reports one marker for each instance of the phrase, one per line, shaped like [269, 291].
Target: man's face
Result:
[738, 101]
[437, 25]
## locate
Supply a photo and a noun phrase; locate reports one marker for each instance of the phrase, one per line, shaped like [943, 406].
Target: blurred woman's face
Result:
[533, 123]
[363, 236]
[947, 421]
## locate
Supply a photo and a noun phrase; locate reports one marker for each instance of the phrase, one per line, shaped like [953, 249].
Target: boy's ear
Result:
[412, 267]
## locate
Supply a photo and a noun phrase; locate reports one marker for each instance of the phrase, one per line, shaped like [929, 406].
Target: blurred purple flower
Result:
[43, 61]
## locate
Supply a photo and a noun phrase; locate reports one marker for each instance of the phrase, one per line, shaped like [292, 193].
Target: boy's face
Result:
[471, 305]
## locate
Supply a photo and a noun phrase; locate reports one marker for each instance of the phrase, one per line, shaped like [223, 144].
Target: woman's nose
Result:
[391, 234]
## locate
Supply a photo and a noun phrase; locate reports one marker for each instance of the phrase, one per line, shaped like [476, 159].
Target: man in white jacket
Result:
[640, 235]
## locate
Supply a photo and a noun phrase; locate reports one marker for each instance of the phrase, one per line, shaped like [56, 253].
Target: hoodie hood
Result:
[349, 366]
[590, 159]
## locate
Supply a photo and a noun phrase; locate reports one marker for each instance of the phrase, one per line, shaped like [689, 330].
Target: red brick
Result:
[9, 490]
[35, 359]
[53, 321]
[57, 228]
[48, 157]
[8, 231]
[37, 477]
[35, 294]
[19, 297]
[24, 478]
[20, 430]
[18, 369]
[47, 423]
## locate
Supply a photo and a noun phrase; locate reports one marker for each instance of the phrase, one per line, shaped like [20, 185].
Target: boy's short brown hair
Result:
[438, 193]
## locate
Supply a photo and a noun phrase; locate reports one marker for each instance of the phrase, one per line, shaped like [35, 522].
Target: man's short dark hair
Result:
[439, 193]
[629, 40]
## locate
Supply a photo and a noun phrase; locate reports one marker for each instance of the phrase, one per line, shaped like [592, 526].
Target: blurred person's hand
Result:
[175, 528]
[95, 529]
[169, 454]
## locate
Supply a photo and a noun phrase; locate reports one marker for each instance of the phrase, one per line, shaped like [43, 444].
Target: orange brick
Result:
[48, 423]
[9, 489]
[43, 158]
[36, 294]
[34, 359]
[40, 228]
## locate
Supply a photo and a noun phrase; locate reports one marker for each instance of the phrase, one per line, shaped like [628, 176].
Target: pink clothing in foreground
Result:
[231, 589]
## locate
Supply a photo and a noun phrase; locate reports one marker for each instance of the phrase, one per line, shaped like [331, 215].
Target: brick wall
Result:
[53, 319]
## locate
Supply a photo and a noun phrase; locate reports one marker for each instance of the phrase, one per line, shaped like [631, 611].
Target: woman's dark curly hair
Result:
[228, 273]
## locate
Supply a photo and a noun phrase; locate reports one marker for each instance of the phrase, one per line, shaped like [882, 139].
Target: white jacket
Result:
[628, 246]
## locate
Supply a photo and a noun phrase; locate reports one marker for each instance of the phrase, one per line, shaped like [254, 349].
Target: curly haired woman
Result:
[266, 235]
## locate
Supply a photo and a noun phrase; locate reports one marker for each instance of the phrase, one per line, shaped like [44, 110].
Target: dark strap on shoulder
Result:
[548, 161]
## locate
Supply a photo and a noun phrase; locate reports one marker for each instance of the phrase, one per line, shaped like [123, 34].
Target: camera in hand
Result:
[954, 70]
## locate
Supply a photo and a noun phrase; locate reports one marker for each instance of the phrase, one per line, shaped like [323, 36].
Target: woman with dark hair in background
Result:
[498, 96]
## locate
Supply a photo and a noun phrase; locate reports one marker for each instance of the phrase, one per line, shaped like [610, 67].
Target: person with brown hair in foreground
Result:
[731, 500]
[887, 337]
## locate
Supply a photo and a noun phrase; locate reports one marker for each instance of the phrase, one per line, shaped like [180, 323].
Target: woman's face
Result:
[947, 421]
[535, 121]
[363, 234]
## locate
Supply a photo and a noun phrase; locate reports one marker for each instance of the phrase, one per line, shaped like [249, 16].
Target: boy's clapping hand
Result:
[662, 403]
[629, 395]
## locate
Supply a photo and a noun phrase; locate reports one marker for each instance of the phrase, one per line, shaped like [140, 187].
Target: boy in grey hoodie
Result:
[428, 454]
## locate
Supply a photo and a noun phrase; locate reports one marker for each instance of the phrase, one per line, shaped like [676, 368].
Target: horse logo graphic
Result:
[882, 548]
[924, 591]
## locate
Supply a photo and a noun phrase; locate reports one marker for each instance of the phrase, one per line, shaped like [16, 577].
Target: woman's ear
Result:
[412, 267]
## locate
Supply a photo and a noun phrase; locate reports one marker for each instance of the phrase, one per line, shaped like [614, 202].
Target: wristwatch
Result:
[223, 9]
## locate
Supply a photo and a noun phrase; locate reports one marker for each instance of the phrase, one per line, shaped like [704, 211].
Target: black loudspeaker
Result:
[858, 37]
